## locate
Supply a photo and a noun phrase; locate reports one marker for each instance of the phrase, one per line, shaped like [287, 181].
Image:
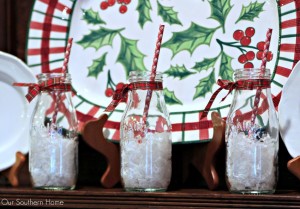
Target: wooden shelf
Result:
[92, 197]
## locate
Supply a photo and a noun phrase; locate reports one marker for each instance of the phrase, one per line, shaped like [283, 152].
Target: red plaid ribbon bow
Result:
[121, 93]
[249, 84]
[51, 84]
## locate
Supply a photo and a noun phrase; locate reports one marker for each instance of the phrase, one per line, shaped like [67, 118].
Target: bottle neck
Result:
[138, 76]
[251, 74]
[63, 78]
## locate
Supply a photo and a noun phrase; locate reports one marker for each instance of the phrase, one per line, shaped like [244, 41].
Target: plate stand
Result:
[203, 156]
[293, 166]
[12, 174]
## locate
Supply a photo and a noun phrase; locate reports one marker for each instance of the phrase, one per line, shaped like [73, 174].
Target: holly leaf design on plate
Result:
[98, 38]
[170, 97]
[92, 17]
[130, 56]
[205, 85]
[226, 70]
[97, 66]
[251, 11]
[220, 10]
[189, 39]
[143, 8]
[205, 64]
[168, 14]
[178, 72]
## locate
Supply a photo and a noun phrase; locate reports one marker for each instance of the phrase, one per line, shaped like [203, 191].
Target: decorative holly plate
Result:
[203, 41]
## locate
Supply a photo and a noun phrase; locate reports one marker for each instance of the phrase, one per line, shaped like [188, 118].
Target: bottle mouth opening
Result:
[143, 76]
[66, 77]
[252, 73]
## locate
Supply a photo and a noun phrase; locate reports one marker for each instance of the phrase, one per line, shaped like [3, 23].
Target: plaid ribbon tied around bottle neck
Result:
[248, 84]
[48, 85]
[120, 94]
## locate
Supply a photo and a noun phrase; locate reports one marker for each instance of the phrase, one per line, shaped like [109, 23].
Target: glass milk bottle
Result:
[145, 146]
[53, 154]
[252, 136]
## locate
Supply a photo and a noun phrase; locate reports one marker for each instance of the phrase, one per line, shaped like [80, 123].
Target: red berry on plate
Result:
[109, 92]
[269, 56]
[104, 5]
[248, 65]
[259, 55]
[126, 1]
[261, 45]
[250, 55]
[111, 2]
[245, 41]
[250, 31]
[119, 85]
[123, 9]
[242, 58]
[238, 35]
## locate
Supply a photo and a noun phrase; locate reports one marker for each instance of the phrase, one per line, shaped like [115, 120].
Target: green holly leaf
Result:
[178, 72]
[168, 14]
[97, 67]
[205, 64]
[170, 97]
[226, 70]
[189, 39]
[143, 8]
[98, 38]
[220, 10]
[251, 11]
[130, 56]
[92, 17]
[205, 85]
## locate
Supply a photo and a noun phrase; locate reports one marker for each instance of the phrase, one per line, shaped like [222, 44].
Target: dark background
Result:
[14, 20]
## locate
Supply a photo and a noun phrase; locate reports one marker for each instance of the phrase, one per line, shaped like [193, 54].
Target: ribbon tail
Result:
[24, 84]
[112, 106]
[209, 104]
[33, 91]
[120, 95]
[29, 97]
[18, 84]
[226, 95]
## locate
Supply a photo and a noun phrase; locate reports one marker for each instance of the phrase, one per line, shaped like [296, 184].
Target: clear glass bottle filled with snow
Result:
[53, 154]
[252, 135]
[146, 144]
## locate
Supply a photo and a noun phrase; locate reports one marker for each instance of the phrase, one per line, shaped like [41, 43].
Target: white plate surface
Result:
[15, 111]
[289, 112]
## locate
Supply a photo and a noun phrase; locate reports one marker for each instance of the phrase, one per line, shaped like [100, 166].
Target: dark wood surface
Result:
[91, 197]
[14, 19]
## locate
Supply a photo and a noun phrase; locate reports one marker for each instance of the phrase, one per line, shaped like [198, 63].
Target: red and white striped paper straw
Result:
[67, 55]
[262, 71]
[153, 70]
[64, 71]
